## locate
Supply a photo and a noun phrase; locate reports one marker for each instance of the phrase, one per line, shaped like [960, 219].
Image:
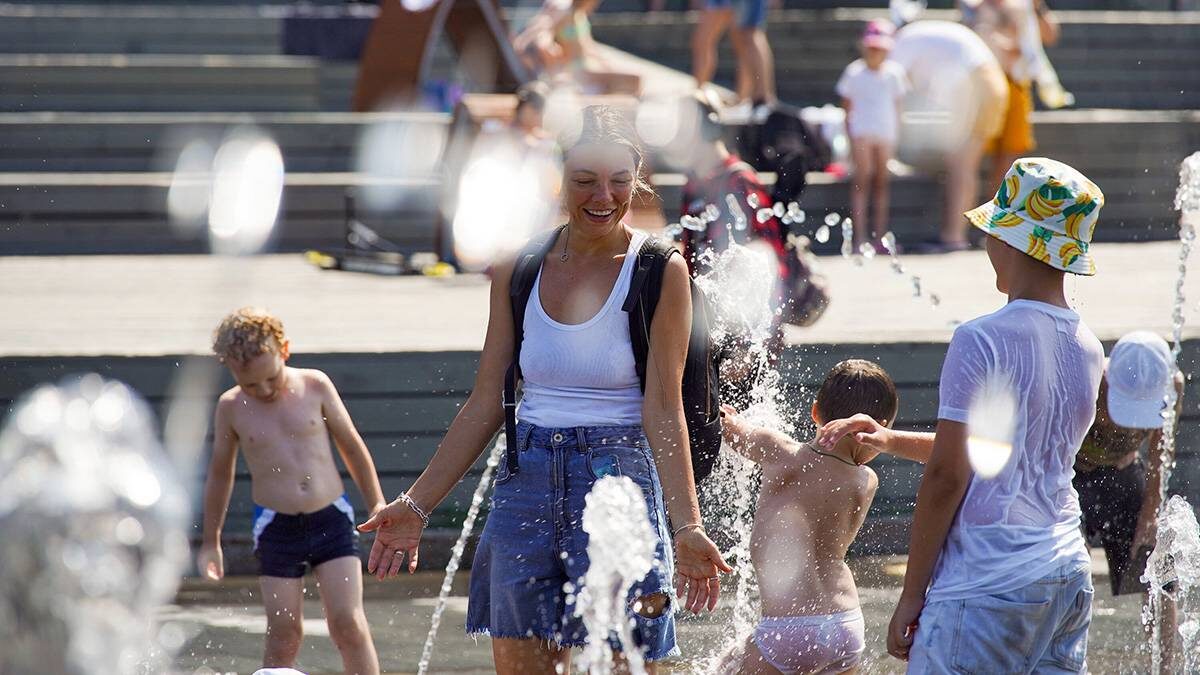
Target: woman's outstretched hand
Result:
[397, 531]
[697, 564]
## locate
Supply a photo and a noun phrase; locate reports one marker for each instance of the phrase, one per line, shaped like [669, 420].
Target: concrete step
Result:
[139, 142]
[127, 213]
[162, 83]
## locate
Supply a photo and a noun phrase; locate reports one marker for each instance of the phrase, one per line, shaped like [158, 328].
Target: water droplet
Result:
[833, 218]
[779, 209]
[822, 234]
[673, 230]
[934, 299]
[752, 200]
[916, 282]
[711, 212]
[889, 243]
[764, 215]
[692, 223]
[866, 250]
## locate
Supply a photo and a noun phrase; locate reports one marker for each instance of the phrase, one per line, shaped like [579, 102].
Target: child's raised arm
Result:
[912, 445]
[350, 445]
[218, 487]
[757, 444]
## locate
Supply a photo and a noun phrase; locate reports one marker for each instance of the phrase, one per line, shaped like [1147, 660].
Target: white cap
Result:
[1139, 377]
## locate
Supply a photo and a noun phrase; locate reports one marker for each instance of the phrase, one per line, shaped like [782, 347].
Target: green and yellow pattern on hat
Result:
[1046, 209]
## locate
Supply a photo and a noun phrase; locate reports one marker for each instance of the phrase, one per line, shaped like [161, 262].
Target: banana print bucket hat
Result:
[1046, 209]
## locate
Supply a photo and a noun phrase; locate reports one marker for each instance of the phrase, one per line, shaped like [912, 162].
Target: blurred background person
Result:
[872, 89]
[1015, 31]
[557, 44]
[956, 81]
[755, 82]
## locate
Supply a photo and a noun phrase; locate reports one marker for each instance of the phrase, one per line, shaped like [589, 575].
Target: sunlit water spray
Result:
[456, 553]
[92, 533]
[620, 548]
[740, 285]
[1170, 516]
[1175, 564]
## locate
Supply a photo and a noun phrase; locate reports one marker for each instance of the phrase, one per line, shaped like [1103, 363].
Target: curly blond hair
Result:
[247, 333]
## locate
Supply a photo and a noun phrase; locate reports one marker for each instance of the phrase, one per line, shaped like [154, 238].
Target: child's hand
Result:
[733, 427]
[210, 561]
[903, 628]
[866, 431]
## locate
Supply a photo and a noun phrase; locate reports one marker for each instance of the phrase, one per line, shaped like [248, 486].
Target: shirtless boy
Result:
[811, 505]
[281, 418]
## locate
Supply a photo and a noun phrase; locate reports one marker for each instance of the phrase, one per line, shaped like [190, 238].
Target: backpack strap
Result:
[525, 271]
[642, 299]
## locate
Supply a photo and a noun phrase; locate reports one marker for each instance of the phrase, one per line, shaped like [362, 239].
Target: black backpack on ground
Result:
[701, 379]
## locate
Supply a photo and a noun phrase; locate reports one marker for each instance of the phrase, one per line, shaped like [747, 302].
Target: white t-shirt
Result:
[1016, 527]
[929, 50]
[874, 97]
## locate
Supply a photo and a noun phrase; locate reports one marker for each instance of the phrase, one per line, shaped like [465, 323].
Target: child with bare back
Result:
[811, 505]
[281, 418]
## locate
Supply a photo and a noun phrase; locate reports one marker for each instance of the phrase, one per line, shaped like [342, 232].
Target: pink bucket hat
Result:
[878, 34]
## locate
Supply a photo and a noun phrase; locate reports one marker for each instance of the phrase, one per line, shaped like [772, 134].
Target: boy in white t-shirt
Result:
[871, 89]
[999, 577]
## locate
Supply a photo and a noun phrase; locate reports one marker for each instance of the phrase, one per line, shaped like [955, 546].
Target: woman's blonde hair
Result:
[605, 125]
[247, 333]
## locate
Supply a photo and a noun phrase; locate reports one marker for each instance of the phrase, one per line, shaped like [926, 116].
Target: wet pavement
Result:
[223, 625]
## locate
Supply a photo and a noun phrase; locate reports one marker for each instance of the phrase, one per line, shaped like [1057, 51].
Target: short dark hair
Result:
[857, 386]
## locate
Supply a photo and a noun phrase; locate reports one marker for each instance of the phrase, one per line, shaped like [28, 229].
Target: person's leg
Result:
[283, 600]
[743, 55]
[713, 23]
[881, 190]
[863, 152]
[529, 657]
[751, 31]
[341, 591]
[962, 186]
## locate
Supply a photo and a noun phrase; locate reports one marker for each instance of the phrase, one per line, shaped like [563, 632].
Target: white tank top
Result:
[579, 375]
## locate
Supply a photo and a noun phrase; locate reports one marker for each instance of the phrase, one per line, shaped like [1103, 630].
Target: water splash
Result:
[621, 546]
[847, 236]
[1175, 565]
[456, 553]
[739, 216]
[743, 330]
[1187, 201]
[92, 532]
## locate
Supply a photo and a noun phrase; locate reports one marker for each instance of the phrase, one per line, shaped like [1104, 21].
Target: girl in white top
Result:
[580, 382]
[871, 89]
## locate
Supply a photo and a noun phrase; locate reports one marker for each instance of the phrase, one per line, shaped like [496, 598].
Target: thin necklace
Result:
[566, 239]
[826, 454]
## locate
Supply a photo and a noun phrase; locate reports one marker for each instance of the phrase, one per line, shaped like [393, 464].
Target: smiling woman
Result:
[584, 414]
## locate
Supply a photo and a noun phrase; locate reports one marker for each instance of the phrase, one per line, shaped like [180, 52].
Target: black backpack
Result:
[701, 379]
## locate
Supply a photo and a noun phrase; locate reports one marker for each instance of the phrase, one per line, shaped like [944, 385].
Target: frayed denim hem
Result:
[477, 631]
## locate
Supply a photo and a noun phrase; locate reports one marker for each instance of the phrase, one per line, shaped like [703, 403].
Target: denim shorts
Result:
[534, 543]
[750, 13]
[1039, 628]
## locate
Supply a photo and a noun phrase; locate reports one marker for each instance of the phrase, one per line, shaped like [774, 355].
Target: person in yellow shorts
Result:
[999, 23]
